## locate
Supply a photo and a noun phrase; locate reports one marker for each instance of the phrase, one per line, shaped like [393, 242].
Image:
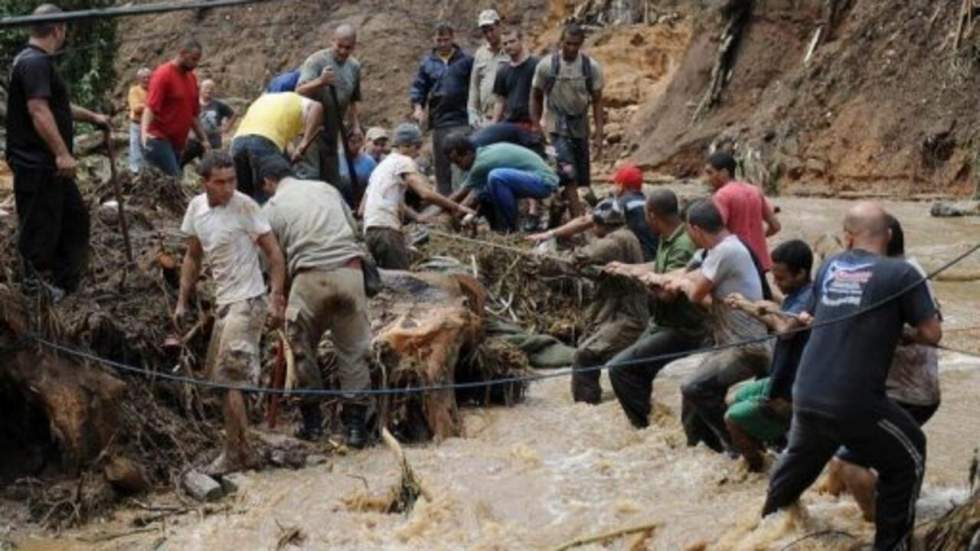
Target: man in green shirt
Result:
[499, 175]
[677, 326]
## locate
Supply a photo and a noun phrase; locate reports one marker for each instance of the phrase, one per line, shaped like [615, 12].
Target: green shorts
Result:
[749, 412]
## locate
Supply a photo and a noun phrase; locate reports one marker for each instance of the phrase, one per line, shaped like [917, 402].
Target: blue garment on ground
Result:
[284, 82]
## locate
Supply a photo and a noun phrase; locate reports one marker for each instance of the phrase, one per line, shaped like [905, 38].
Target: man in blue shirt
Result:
[760, 413]
[861, 302]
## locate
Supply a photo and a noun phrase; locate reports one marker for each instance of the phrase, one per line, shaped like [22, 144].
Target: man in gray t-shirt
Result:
[326, 76]
[726, 267]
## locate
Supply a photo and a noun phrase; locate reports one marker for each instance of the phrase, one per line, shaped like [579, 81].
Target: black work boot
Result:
[354, 417]
[312, 428]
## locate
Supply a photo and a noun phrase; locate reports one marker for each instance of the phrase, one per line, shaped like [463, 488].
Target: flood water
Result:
[549, 471]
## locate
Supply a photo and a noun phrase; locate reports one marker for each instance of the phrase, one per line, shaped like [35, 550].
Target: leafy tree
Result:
[87, 61]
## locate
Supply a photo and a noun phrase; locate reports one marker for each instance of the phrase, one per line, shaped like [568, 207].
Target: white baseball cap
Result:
[488, 17]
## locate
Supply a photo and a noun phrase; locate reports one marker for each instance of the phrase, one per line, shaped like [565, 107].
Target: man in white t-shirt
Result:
[384, 200]
[226, 228]
[726, 267]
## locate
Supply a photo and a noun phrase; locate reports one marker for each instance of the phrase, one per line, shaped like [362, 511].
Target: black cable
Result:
[250, 389]
[101, 13]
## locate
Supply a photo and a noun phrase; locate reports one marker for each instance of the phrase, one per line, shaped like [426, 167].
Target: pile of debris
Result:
[81, 433]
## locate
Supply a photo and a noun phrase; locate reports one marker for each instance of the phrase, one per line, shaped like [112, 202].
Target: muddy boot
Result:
[355, 422]
[312, 427]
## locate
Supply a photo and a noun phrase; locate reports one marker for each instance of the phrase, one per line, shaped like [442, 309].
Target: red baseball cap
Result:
[629, 176]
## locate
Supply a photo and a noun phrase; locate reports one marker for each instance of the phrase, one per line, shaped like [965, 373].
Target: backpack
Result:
[549, 83]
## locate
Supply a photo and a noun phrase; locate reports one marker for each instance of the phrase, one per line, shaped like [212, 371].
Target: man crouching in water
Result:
[227, 228]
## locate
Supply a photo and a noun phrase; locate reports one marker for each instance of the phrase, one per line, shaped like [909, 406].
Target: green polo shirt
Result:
[674, 253]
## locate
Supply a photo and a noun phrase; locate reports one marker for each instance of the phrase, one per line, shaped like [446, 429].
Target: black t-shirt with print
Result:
[34, 76]
[845, 364]
[513, 82]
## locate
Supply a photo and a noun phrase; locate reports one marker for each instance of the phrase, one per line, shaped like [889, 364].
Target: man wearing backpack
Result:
[571, 81]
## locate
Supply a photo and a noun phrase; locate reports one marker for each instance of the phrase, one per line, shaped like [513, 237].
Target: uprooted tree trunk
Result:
[431, 320]
[81, 403]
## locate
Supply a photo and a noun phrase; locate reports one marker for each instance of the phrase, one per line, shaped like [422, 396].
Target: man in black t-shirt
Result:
[53, 221]
[216, 118]
[839, 395]
[512, 85]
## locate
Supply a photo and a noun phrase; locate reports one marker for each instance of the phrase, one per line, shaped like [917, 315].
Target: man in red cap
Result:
[628, 189]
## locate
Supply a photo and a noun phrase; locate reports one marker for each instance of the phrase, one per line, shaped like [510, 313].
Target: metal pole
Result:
[122, 11]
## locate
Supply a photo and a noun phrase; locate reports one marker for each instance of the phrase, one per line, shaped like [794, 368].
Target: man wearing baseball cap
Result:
[384, 201]
[628, 189]
[620, 310]
[481, 104]
[377, 143]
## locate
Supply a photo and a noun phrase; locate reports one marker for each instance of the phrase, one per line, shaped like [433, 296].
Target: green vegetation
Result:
[87, 63]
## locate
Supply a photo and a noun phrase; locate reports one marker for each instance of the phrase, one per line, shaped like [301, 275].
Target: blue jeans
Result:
[505, 186]
[161, 154]
[135, 148]
[248, 151]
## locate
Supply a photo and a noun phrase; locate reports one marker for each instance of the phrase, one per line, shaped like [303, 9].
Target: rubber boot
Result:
[355, 421]
[312, 428]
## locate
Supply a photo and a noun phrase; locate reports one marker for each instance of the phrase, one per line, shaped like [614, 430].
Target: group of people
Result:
[848, 379]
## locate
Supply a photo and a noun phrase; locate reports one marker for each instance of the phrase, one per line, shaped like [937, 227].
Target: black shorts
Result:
[574, 165]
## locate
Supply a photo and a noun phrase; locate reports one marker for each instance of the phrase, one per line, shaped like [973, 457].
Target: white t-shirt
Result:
[386, 191]
[730, 268]
[228, 235]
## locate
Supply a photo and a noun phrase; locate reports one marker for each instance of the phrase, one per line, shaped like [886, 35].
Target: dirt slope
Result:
[885, 103]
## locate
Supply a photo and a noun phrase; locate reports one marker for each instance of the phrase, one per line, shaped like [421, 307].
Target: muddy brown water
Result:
[548, 471]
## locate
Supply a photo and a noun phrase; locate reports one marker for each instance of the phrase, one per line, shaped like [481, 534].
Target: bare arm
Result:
[473, 100]
[355, 116]
[277, 275]
[202, 136]
[145, 123]
[46, 126]
[599, 118]
[190, 270]
[82, 114]
[312, 123]
[574, 226]
[536, 107]
[928, 332]
[767, 312]
[693, 284]
[498, 109]
[417, 184]
[772, 220]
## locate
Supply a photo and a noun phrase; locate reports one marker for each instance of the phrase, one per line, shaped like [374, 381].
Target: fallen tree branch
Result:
[605, 536]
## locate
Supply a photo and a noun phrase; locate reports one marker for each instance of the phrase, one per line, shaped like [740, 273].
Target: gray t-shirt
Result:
[313, 225]
[348, 87]
[569, 96]
[730, 268]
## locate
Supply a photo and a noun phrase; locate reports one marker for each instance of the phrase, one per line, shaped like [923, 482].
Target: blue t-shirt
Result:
[845, 364]
[364, 165]
[788, 350]
[633, 203]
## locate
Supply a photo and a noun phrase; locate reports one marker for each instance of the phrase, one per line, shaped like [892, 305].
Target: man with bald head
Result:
[839, 395]
[332, 77]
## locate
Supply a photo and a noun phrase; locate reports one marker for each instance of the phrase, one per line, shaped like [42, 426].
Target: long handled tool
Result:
[114, 180]
[355, 190]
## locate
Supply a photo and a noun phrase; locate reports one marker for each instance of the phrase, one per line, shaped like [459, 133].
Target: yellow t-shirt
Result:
[137, 101]
[276, 117]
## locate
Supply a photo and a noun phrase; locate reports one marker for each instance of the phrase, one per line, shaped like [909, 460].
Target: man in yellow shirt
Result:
[270, 125]
[137, 101]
